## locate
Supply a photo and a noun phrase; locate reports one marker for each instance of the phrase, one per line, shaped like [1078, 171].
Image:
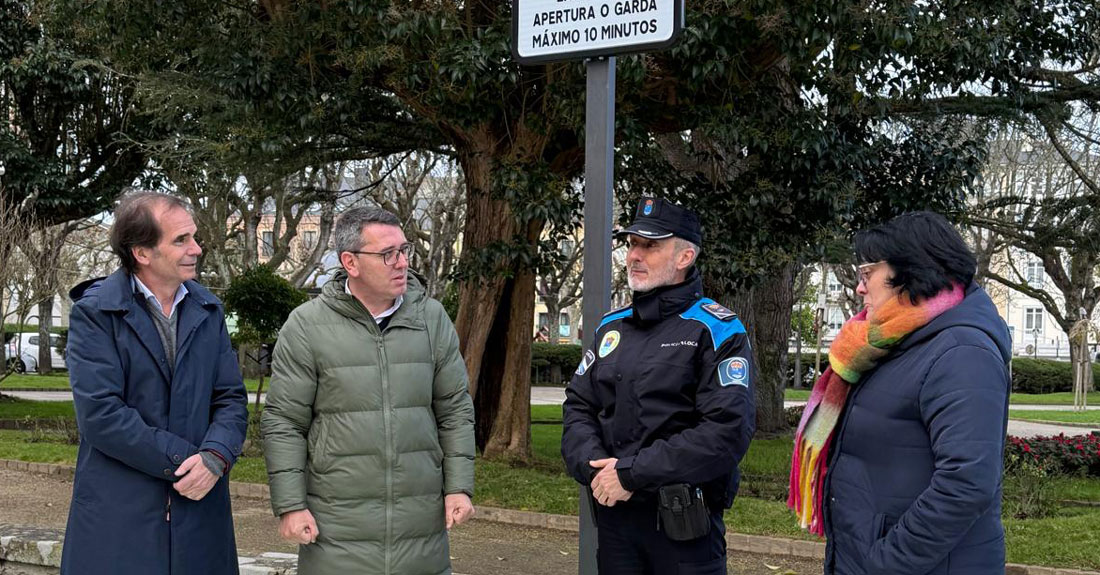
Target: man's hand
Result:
[605, 485]
[197, 479]
[298, 527]
[458, 508]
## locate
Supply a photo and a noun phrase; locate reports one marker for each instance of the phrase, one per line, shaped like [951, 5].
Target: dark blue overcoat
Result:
[914, 484]
[138, 421]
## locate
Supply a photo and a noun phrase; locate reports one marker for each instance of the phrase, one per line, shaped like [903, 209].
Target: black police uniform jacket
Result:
[666, 389]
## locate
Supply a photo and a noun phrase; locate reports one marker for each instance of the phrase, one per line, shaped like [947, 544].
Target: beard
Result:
[657, 277]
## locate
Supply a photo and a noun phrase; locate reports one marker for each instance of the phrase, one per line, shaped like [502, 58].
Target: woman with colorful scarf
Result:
[898, 457]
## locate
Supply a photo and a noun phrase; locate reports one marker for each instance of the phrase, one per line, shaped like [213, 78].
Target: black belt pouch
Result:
[682, 511]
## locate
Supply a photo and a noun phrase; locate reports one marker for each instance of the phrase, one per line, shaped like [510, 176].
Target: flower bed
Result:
[1074, 454]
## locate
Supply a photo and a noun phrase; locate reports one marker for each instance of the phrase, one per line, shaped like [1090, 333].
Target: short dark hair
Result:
[925, 251]
[136, 226]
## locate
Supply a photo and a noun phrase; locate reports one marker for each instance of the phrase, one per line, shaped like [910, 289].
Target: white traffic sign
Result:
[557, 30]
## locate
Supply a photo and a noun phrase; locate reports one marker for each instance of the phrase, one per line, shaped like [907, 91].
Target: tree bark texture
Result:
[45, 320]
[504, 397]
[766, 312]
[494, 320]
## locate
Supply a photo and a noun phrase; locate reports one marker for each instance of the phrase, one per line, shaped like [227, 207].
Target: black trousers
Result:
[630, 543]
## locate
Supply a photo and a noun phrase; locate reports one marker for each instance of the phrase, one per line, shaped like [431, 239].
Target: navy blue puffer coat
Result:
[914, 481]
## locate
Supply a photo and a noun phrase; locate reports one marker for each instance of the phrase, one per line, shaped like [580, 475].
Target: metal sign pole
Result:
[599, 181]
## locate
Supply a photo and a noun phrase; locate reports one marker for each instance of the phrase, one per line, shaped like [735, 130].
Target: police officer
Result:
[661, 410]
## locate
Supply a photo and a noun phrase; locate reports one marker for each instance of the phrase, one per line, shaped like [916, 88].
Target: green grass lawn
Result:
[19, 408]
[31, 381]
[15, 408]
[60, 382]
[1064, 398]
[546, 413]
[1068, 539]
[796, 394]
[1076, 489]
[1092, 416]
[15, 445]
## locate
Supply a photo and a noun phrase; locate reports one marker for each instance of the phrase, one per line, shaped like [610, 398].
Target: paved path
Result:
[547, 395]
[556, 395]
[477, 548]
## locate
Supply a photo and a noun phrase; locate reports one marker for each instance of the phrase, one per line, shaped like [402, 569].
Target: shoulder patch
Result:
[586, 362]
[614, 315]
[718, 311]
[733, 371]
[720, 329]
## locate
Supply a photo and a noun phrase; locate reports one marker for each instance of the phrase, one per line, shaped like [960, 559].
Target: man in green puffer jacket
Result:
[369, 428]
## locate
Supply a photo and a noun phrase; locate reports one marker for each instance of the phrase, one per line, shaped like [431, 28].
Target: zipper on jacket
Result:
[383, 366]
[168, 509]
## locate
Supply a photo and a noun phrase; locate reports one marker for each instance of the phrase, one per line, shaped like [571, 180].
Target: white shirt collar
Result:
[378, 318]
[180, 293]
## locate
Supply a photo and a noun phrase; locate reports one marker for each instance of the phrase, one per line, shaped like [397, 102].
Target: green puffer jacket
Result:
[369, 429]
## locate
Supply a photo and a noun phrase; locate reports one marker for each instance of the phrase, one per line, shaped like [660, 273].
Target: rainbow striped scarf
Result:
[860, 346]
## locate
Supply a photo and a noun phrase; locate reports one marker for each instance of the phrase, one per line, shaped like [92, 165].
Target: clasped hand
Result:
[605, 485]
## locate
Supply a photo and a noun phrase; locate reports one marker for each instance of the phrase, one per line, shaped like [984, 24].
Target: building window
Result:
[309, 239]
[566, 247]
[267, 244]
[1033, 321]
[836, 320]
[834, 285]
[1034, 274]
[544, 319]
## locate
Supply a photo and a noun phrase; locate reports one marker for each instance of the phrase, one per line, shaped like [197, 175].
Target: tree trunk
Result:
[4, 370]
[313, 261]
[494, 318]
[45, 351]
[504, 398]
[487, 220]
[1078, 351]
[553, 314]
[766, 312]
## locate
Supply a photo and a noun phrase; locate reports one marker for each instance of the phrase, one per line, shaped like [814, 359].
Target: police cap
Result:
[658, 219]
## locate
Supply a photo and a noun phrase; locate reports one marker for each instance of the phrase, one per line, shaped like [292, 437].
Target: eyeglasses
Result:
[865, 271]
[389, 257]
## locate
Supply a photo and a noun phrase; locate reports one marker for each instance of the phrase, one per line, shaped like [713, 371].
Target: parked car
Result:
[22, 352]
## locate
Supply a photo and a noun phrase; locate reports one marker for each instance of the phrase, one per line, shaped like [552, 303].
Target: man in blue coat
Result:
[160, 404]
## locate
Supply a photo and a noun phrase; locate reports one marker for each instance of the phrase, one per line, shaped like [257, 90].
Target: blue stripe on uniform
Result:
[614, 315]
[720, 331]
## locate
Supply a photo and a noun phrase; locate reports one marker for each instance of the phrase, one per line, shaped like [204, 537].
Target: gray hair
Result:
[682, 244]
[349, 228]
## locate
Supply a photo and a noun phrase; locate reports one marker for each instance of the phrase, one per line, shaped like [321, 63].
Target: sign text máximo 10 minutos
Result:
[557, 30]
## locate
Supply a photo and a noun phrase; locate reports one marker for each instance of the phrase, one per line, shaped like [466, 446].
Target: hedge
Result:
[1028, 375]
[1045, 375]
[554, 364]
[807, 368]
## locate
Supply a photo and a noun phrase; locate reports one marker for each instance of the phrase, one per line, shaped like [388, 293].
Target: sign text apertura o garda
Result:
[556, 30]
